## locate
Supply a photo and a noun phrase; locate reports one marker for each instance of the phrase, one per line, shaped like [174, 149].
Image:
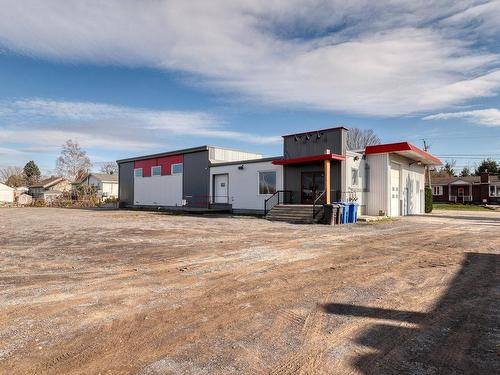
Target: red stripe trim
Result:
[398, 147]
[307, 159]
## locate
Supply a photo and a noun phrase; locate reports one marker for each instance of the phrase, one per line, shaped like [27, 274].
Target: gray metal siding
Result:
[126, 183]
[293, 178]
[196, 179]
[308, 144]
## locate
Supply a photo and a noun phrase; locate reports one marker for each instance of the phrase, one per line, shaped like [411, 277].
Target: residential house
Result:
[471, 189]
[49, 189]
[106, 184]
[6, 194]
[18, 191]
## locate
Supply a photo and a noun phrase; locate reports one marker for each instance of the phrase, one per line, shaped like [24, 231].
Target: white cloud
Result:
[366, 57]
[487, 117]
[50, 123]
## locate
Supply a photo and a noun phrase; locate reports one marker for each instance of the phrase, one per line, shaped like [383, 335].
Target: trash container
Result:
[337, 213]
[330, 214]
[353, 212]
[343, 212]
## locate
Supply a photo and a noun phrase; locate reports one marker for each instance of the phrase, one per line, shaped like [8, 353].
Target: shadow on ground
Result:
[459, 336]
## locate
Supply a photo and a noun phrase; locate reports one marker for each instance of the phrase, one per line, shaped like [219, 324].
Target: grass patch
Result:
[458, 207]
[385, 220]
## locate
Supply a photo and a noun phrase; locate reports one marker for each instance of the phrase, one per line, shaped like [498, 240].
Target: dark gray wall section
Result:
[293, 179]
[196, 179]
[126, 183]
[308, 144]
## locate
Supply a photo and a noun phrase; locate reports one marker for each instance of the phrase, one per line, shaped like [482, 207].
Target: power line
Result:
[478, 154]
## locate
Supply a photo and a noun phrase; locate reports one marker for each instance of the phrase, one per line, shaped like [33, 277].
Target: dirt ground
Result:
[126, 292]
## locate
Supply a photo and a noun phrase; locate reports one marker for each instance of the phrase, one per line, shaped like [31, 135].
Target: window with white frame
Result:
[267, 182]
[354, 177]
[138, 172]
[156, 171]
[437, 190]
[176, 168]
[494, 191]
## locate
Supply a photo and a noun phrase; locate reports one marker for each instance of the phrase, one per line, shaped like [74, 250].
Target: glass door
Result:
[313, 185]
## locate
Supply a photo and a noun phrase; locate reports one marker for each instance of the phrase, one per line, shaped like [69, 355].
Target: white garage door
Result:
[395, 190]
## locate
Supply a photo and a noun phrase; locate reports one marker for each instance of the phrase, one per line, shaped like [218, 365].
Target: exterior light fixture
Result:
[241, 167]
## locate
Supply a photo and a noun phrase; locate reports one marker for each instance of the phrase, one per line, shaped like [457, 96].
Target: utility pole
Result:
[426, 147]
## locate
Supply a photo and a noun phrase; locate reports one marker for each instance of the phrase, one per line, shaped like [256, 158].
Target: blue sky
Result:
[129, 78]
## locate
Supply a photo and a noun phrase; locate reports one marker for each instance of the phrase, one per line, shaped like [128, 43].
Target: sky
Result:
[127, 78]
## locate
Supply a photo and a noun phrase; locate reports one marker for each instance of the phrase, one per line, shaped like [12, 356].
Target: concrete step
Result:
[293, 213]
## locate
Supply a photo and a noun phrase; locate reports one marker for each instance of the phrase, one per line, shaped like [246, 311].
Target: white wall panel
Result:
[218, 154]
[244, 183]
[360, 190]
[6, 194]
[158, 190]
[378, 194]
[412, 185]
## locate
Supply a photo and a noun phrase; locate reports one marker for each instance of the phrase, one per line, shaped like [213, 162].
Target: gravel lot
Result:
[127, 292]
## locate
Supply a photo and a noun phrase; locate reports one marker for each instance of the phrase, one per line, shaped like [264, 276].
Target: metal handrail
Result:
[268, 203]
[315, 204]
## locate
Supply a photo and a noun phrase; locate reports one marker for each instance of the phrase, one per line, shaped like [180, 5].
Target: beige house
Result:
[49, 188]
[106, 184]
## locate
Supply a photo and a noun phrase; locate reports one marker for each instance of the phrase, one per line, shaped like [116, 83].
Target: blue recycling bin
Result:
[344, 218]
[353, 212]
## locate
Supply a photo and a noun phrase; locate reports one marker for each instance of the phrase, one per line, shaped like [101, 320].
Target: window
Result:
[138, 172]
[267, 182]
[176, 168]
[156, 171]
[354, 177]
[437, 190]
[494, 190]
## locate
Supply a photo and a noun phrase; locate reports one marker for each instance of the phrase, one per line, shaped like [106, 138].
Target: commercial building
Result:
[315, 168]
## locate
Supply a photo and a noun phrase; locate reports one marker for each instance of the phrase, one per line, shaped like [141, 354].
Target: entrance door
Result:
[313, 184]
[221, 192]
[395, 190]
[460, 193]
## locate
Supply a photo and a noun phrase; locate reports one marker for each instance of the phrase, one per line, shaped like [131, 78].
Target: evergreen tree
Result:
[32, 172]
[465, 172]
[488, 165]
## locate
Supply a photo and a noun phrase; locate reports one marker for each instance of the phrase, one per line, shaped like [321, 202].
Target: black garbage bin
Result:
[331, 214]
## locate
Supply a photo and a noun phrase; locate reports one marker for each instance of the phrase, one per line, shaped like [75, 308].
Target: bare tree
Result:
[448, 170]
[13, 176]
[73, 162]
[109, 167]
[358, 139]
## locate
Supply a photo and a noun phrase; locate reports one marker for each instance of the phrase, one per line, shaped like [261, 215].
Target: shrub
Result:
[428, 200]
[39, 203]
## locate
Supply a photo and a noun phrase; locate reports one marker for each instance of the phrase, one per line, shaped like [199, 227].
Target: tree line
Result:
[73, 164]
[448, 169]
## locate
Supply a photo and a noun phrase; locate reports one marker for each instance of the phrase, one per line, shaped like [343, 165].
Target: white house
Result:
[106, 184]
[6, 194]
